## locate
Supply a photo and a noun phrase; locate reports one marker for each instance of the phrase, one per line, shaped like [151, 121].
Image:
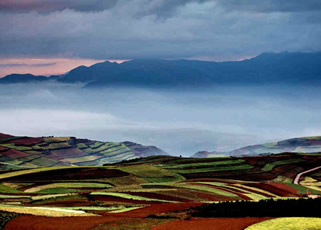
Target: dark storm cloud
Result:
[124, 29]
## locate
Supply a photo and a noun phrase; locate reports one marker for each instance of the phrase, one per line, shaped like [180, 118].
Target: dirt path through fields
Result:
[297, 178]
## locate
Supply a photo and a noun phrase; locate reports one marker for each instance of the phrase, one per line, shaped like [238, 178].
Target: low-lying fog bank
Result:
[179, 122]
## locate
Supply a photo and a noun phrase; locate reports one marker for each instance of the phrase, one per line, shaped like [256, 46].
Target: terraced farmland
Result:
[155, 190]
[27, 152]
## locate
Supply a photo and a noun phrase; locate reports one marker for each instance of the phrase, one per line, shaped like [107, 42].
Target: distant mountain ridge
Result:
[21, 78]
[301, 145]
[18, 152]
[267, 68]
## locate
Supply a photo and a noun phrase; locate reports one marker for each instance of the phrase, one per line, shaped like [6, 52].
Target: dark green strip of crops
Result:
[206, 164]
[214, 169]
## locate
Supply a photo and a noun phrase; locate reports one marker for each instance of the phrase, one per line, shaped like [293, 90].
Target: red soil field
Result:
[210, 223]
[3, 148]
[14, 154]
[3, 136]
[28, 141]
[290, 170]
[66, 153]
[275, 190]
[28, 222]
[284, 187]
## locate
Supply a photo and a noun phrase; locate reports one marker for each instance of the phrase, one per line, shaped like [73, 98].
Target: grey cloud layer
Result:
[273, 5]
[157, 5]
[157, 29]
[45, 6]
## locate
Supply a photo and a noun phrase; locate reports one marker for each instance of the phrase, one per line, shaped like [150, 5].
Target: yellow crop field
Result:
[289, 223]
[81, 159]
[44, 211]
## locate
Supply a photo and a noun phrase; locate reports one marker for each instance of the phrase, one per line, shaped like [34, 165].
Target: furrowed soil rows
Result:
[29, 222]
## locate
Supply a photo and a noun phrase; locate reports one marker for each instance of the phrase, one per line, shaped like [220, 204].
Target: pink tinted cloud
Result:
[44, 66]
[27, 5]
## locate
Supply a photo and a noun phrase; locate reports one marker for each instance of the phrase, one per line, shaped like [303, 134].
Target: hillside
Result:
[267, 68]
[28, 152]
[302, 144]
[157, 189]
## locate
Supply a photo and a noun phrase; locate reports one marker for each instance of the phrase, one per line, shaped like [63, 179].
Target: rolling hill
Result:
[28, 152]
[63, 181]
[157, 189]
[302, 144]
[267, 68]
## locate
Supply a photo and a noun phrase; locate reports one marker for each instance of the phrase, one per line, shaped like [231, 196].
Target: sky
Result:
[84, 32]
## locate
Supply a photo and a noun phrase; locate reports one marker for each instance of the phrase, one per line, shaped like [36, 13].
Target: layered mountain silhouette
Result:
[267, 68]
[298, 145]
[21, 78]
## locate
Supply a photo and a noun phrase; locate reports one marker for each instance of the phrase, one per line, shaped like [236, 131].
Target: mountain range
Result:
[301, 145]
[267, 68]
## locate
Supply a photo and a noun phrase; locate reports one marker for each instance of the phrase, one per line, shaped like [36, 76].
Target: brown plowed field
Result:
[275, 190]
[66, 153]
[14, 154]
[155, 209]
[27, 141]
[3, 136]
[210, 224]
[284, 187]
[28, 222]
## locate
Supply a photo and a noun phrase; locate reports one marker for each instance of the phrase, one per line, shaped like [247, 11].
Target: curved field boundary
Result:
[68, 185]
[289, 223]
[44, 211]
[270, 166]
[297, 178]
[128, 196]
[37, 170]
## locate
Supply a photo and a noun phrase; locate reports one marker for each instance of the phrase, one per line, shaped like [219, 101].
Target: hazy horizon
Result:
[179, 122]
